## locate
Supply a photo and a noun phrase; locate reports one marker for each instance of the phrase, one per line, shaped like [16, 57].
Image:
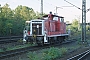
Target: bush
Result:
[63, 51]
[32, 56]
[47, 54]
[52, 53]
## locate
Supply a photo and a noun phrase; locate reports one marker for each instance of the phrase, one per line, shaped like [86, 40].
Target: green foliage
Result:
[63, 51]
[79, 41]
[52, 53]
[74, 27]
[75, 22]
[18, 47]
[1, 50]
[88, 33]
[20, 41]
[47, 54]
[14, 20]
[88, 27]
[32, 56]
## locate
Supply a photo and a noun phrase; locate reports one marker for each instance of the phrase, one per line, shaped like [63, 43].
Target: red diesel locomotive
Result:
[48, 30]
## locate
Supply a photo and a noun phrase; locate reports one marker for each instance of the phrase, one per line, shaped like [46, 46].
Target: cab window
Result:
[61, 19]
[55, 18]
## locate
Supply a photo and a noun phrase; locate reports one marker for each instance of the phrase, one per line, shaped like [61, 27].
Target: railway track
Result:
[23, 50]
[19, 51]
[9, 39]
[80, 56]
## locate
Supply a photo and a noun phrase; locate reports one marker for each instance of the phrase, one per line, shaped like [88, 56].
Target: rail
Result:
[80, 56]
[10, 39]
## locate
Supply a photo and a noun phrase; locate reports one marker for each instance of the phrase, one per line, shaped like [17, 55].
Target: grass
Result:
[1, 50]
[18, 47]
[47, 54]
[51, 53]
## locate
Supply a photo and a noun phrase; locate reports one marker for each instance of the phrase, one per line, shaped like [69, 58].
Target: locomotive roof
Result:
[53, 16]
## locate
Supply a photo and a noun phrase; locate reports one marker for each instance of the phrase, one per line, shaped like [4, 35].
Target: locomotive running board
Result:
[58, 35]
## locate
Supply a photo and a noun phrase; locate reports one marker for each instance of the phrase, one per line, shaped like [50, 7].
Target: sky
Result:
[66, 10]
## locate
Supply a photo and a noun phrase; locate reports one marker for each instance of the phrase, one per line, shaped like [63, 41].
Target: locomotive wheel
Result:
[51, 40]
[41, 44]
[60, 39]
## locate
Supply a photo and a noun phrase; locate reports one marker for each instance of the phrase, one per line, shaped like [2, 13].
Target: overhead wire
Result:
[57, 6]
[73, 5]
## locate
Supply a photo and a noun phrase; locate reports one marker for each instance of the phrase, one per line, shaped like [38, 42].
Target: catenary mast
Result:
[83, 20]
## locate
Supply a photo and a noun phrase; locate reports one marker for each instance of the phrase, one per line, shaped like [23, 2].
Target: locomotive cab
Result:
[35, 31]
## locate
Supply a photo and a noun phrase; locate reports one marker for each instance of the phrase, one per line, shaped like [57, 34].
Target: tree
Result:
[25, 12]
[74, 26]
[14, 20]
[6, 12]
